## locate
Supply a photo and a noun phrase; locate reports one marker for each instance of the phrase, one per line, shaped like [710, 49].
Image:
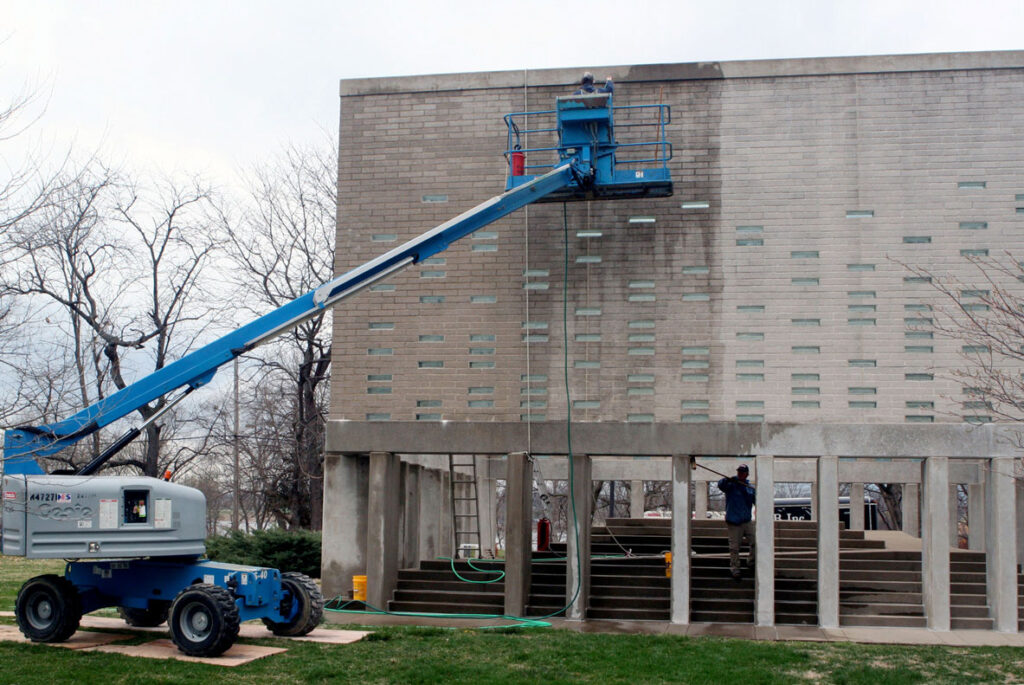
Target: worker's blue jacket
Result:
[739, 499]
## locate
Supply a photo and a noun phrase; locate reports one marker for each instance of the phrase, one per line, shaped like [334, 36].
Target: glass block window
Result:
[588, 337]
[434, 261]
[860, 321]
[431, 299]
[484, 247]
[535, 325]
[750, 404]
[974, 349]
[642, 297]
[589, 234]
[533, 404]
[974, 252]
[640, 418]
[861, 390]
[381, 326]
[481, 390]
[433, 199]
[586, 364]
[695, 404]
[640, 391]
[694, 418]
[641, 284]
[642, 323]
[862, 363]
[695, 204]
[750, 308]
[918, 418]
[805, 404]
[750, 336]
[586, 404]
[533, 391]
[378, 417]
[749, 242]
[479, 404]
[749, 363]
[431, 364]
[485, 235]
[379, 378]
[803, 254]
[481, 365]
[862, 404]
[805, 349]
[918, 349]
[975, 293]
[642, 220]
[587, 311]
[696, 350]
[696, 270]
[640, 378]
[860, 267]
[861, 308]
[696, 297]
[917, 321]
[588, 259]
[919, 404]
[378, 390]
[696, 363]
[918, 335]
[804, 281]
[695, 378]
[431, 338]
[481, 350]
[382, 288]
[535, 285]
[917, 280]
[380, 351]
[483, 299]
[974, 225]
[750, 418]
[433, 274]
[797, 390]
[970, 185]
[918, 376]
[859, 213]
[640, 351]
[384, 237]
[865, 294]
[532, 417]
[975, 307]
[535, 273]
[481, 337]
[805, 376]
[805, 322]
[533, 378]
[428, 403]
[750, 377]
[917, 239]
[428, 417]
[640, 337]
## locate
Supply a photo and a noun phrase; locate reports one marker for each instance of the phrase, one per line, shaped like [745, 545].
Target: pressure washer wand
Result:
[719, 473]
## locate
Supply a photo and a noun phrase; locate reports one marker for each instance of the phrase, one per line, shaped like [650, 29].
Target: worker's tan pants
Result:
[738, 531]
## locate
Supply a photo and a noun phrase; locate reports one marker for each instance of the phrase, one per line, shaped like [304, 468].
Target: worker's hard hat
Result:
[587, 77]
[743, 467]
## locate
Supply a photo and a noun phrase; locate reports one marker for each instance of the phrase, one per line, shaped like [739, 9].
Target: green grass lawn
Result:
[428, 655]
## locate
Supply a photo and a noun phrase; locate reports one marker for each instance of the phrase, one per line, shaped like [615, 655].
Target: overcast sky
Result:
[210, 86]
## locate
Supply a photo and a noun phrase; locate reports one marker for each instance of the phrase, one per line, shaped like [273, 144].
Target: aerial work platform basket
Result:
[583, 128]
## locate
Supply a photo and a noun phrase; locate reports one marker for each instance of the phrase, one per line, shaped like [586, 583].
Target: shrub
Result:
[285, 550]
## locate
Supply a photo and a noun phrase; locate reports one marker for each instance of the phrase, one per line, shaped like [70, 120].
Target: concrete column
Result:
[856, 506]
[577, 565]
[912, 509]
[954, 516]
[431, 496]
[1000, 544]
[764, 601]
[447, 537]
[828, 540]
[346, 490]
[382, 529]
[976, 494]
[700, 504]
[636, 499]
[410, 519]
[1020, 522]
[488, 496]
[814, 501]
[518, 525]
[681, 527]
[935, 541]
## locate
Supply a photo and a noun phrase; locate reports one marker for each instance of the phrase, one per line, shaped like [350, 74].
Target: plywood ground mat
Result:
[90, 641]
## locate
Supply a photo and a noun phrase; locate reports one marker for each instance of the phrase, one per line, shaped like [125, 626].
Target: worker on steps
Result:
[739, 501]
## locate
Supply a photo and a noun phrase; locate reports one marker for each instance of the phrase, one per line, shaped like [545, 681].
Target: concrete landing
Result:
[743, 631]
[895, 541]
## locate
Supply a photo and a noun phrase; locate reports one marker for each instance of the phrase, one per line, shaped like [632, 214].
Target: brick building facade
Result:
[770, 287]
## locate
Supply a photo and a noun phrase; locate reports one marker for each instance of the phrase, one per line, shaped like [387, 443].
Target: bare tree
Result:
[117, 269]
[282, 244]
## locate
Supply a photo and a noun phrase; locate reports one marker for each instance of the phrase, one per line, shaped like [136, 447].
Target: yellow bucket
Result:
[668, 564]
[359, 588]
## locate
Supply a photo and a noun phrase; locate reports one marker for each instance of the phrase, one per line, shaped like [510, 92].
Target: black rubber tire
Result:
[143, 618]
[310, 608]
[48, 609]
[204, 620]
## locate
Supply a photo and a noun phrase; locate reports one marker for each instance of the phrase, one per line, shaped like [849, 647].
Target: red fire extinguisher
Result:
[518, 162]
[544, 535]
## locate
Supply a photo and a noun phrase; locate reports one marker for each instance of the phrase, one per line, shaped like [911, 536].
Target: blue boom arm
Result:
[23, 446]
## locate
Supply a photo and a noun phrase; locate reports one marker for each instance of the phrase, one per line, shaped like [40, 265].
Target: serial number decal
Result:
[49, 497]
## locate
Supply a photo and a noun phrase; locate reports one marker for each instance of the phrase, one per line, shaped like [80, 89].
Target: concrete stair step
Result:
[879, 609]
[427, 597]
[905, 576]
[880, 597]
[957, 623]
[882, 621]
[795, 619]
[451, 608]
[879, 565]
[441, 575]
[721, 605]
[629, 614]
[960, 611]
[449, 586]
[630, 603]
[968, 600]
[878, 586]
[722, 617]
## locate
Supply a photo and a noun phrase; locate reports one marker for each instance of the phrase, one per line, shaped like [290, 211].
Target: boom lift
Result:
[137, 543]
